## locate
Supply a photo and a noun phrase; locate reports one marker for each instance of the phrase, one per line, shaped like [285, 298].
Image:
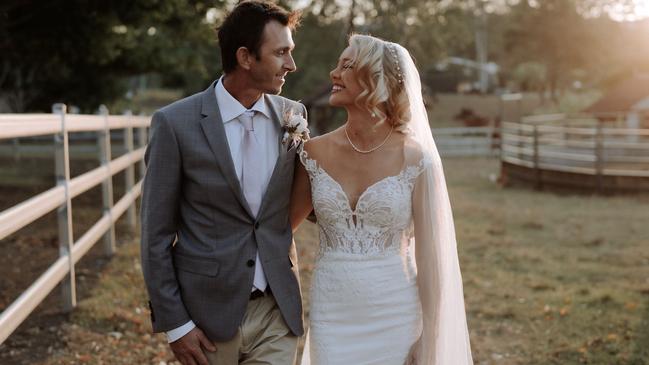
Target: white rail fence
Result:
[83, 145]
[467, 141]
[577, 152]
[451, 142]
[576, 144]
[60, 125]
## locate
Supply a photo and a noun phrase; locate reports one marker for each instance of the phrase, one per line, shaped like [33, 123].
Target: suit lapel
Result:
[276, 114]
[214, 131]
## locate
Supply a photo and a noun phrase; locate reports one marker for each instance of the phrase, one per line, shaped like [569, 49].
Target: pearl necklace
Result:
[371, 149]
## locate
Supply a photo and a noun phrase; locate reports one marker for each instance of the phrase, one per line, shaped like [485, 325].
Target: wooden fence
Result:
[580, 147]
[60, 125]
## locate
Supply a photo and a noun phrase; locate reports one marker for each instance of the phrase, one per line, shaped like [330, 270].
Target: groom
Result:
[217, 253]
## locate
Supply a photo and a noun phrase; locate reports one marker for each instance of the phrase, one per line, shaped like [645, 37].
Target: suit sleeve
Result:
[160, 201]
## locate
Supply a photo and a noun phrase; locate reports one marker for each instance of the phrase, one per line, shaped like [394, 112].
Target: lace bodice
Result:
[381, 223]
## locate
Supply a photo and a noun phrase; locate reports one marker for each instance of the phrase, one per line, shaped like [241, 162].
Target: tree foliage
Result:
[552, 34]
[88, 52]
[82, 52]
[430, 30]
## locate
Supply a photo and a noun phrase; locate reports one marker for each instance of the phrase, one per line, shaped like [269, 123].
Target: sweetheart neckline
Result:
[353, 210]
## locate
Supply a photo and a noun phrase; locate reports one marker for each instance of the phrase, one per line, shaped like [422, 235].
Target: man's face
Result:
[274, 59]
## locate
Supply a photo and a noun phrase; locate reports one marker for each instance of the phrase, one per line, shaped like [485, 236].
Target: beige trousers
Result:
[263, 338]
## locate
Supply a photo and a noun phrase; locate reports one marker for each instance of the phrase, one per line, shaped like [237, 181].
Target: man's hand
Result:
[189, 348]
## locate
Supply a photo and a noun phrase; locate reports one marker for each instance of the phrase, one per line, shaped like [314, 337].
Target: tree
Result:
[553, 34]
[429, 29]
[82, 52]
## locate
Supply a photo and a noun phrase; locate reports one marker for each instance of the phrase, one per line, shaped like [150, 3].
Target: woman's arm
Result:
[301, 204]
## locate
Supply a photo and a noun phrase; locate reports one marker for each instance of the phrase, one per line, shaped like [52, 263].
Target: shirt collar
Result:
[231, 108]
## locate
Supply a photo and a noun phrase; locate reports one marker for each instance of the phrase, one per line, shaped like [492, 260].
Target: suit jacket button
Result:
[250, 263]
[257, 225]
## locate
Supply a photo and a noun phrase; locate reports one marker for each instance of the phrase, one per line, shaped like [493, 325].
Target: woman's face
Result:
[346, 87]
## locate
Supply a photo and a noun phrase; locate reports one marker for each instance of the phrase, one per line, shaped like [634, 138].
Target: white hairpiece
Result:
[393, 51]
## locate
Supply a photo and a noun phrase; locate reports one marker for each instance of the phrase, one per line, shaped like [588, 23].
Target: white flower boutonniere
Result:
[296, 128]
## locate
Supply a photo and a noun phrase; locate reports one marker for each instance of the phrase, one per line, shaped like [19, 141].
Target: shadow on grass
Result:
[45, 333]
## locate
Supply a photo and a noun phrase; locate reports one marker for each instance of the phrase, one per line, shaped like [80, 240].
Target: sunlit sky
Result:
[639, 8]
[640, 11]
[620, 10]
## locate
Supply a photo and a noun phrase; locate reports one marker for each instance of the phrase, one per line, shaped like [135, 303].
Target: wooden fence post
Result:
[103, 140]
[520, 144]
[64, 211]
[15, 144]
[537, 169]
[129, 174]
[599, 156]
[142, 141]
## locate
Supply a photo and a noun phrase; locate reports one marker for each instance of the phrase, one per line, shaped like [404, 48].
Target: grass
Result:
[146, 101]
[445, 107]
[571, 101]
[549, 279]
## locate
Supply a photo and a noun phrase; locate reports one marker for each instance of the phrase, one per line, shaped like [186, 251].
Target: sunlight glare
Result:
[639, 11]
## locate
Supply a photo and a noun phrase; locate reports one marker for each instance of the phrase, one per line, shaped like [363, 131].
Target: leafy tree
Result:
[553, 34]
[89, 52]
[83, 52]
[430, 30]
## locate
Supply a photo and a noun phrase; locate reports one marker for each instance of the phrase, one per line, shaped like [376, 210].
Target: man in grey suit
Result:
[217, 252]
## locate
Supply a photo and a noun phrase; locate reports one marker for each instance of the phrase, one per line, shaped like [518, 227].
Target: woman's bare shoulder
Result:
[414, 152]
[318, 146]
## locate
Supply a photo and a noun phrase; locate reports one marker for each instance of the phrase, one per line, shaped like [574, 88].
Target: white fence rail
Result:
[577, 151]
[451, 142]
[59, 124]
[467, 141]
[583, 146]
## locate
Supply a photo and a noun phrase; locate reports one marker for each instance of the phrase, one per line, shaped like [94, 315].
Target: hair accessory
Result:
[393, 51]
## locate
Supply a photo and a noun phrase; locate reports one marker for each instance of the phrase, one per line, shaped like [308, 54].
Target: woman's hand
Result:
[413, 355]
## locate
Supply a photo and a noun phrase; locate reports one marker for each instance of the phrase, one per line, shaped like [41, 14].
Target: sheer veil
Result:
[445, 336]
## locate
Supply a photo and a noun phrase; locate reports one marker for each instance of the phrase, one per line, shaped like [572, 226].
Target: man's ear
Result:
[244, 58]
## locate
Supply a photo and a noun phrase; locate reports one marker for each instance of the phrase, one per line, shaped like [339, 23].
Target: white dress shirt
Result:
[267, 133]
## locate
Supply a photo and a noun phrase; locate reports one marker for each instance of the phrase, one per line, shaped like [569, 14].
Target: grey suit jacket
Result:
[199, 238]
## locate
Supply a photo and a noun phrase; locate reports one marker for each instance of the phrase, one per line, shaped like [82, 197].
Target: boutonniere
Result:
[295, 127]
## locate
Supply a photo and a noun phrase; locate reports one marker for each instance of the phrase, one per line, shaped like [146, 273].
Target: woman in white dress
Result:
[386, 288]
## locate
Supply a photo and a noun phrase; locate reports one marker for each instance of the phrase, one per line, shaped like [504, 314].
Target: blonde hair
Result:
[377, 66]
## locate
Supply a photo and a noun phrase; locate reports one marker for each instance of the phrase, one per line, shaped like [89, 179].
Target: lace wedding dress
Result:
[374, 298]
[365, 307]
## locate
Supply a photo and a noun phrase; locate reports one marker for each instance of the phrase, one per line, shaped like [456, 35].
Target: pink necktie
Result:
[252, 180]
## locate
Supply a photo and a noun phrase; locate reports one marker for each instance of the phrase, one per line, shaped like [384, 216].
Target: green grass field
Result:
[549, 279]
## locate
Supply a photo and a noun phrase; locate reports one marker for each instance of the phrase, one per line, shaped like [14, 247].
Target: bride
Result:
[386, 287]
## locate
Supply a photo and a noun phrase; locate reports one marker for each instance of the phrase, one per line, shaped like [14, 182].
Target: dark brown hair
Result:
[244, 27]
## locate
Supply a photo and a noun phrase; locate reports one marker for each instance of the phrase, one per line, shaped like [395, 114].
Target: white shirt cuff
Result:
[176, 333]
